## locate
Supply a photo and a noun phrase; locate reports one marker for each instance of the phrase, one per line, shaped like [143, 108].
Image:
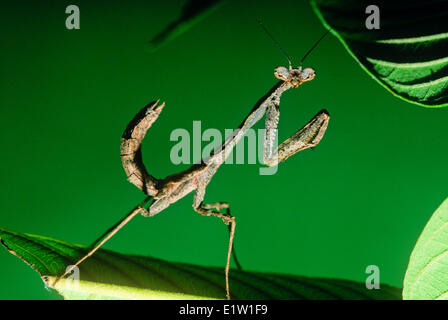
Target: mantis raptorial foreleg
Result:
[307, 137]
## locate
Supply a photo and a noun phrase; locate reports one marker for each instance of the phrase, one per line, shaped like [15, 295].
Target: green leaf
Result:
[407, 55]
[427, 274]
[192, 12]
[110, 275]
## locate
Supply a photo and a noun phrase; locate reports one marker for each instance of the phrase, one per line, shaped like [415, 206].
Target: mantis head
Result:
[294, 76]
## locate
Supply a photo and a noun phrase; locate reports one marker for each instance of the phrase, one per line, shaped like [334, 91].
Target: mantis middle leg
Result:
[207, 210]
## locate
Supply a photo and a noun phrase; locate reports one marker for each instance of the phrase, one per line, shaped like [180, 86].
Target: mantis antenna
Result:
[283, 51]
[314, 45]
[276, 43]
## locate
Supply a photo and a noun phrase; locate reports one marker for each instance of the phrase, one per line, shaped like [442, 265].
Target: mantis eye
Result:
[281, 73]
[307, 74]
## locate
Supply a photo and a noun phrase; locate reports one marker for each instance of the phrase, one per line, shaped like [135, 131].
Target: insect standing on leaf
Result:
[163, 192]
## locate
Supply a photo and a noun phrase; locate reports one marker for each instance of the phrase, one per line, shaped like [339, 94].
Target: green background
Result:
[361, 197]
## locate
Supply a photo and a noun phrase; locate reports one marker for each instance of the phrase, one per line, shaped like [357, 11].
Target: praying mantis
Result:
[161, 193]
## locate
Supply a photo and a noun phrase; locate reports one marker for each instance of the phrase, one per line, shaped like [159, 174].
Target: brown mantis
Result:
[164, 192]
